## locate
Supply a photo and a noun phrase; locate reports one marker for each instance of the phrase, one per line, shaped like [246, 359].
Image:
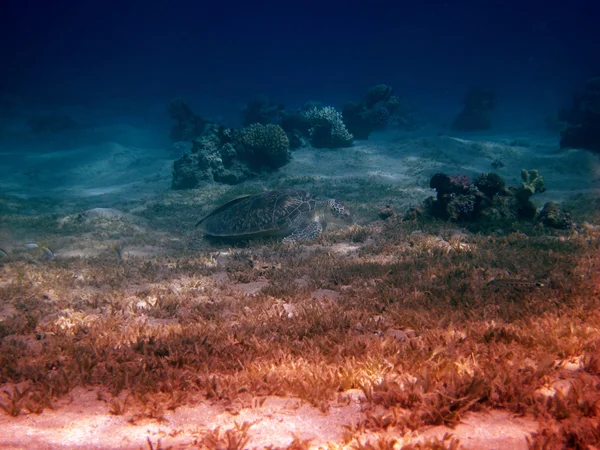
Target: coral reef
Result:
[456, 199]
[326, 128]
[264, 145]
[229, 156]
[357, 120]
[379, 109]
[51, 124]
[475, 114]
[380, 93]
[261, 110]
[583, 119]
[490, 184]
[297, 126]
[553, 216]
[386, 212]
[532, 183]
[486, 201]
[212, 158]
[188, 125]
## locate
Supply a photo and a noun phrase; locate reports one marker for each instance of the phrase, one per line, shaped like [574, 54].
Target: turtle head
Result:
[338, 212]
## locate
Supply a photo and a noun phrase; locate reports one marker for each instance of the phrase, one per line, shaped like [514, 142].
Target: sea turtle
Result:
[290, 213]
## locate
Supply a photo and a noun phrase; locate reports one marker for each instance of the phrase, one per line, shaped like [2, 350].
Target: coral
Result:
[264, 145]
[379, 117]
[327, 129]
[296, 126]
[189, 125]
[583, 118]
[295, 122]
[486, 200]
[379, 109]
[456, 199]
[261, 110]
[378, 93]
[355, 117]
[532, 183]
[475, 114]
[386, 212]
[414, 213]
[490, 184]
[229, 156]
[444, 184]
[212, 158]
[553, 216]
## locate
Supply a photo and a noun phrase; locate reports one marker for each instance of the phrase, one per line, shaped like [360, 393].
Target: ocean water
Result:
[122, 124]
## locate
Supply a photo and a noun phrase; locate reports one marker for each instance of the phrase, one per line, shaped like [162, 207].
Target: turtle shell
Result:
[271, 213]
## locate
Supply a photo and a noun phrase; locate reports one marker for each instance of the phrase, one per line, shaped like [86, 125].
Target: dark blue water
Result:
[132, 55]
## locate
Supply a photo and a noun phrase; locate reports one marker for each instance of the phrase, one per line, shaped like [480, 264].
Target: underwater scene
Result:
[316, 225]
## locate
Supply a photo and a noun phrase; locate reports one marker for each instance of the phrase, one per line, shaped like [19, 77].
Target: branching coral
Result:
[212, 158]
[532, 183]
[327, 129]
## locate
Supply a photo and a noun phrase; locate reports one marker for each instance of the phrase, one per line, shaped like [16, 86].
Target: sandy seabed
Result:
[388, 334]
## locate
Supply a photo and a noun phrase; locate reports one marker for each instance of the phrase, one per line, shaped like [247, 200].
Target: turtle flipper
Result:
[305, 232]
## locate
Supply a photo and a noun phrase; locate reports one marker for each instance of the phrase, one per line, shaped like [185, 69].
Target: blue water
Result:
[113, 66]
[137, 54]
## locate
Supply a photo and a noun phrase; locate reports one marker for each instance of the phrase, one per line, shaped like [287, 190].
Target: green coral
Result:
[265, 145]
[327, 129]
[532, 183]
